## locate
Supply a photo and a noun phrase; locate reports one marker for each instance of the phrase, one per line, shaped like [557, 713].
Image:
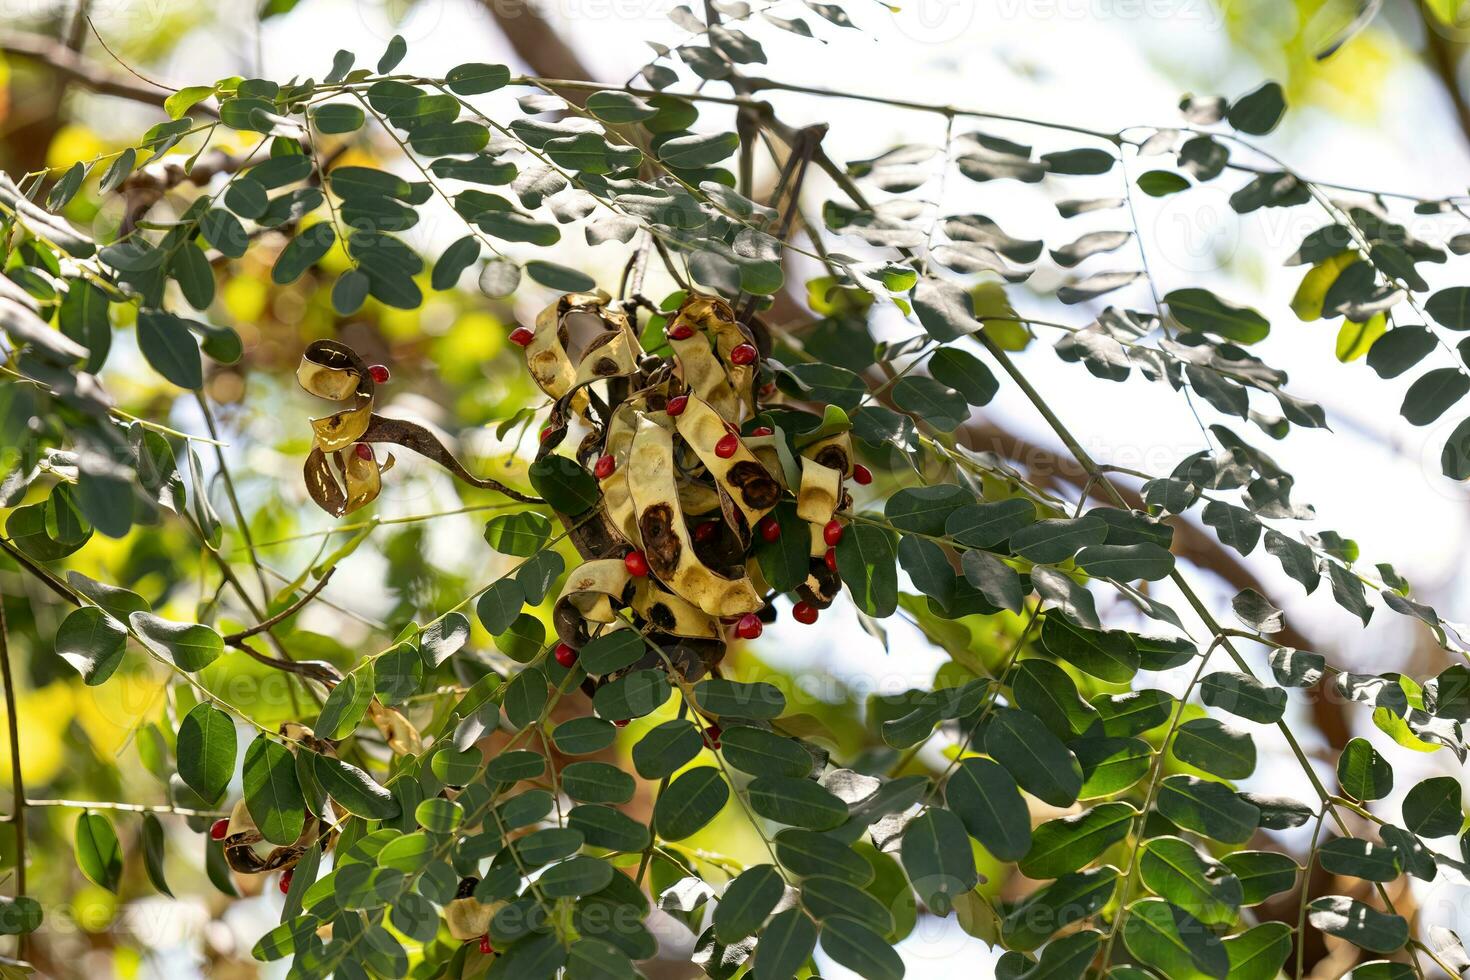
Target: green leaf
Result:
[796, 802]
[809, 854]
[987, 525]
[1206, 889]
[944, 308]
[273, 792]
[633, 695]
[698, 150]
[1432, 807]
[866, 561]
[619, 107]
[98, 853]
[521, 534]
[611, 652]
[596, 782]
[1362, 925]
[1259, 952]
[583, 736]
[1044, 689]
[998, 582]
[206, 751]
[567, 487]
[345, 706]
[1243, 695]
[1362, 773]
[1261, 874]
[1110, 656]
[666, 748]
[190, 646]
[93, 642]
[826, 898]
[1066, 844]
[170, 349]
[19, 916]
[925, 510]
[1215, 747]
[1110, 765]
[1037, 917]
[931, 401]
[1358, 858]
[1173, 941]
[690, 802]
[1208, 808]
[83, 318]
[559, 277]
[1038, 760]
[761, 753]
[337, 117]
[859, 948]
[727, 698]
[1161, 183]
[936, 854]
[302, 252]
[499, 605]
[153, 853]
[476, 79]
[439, 641]
[747, 901]
[397, 48]
[1127, 562]
[186, 98]
[785, 944]
[984, 795]
[1431, 395]
[1259, 111]
[525, 697]
[452, 263]
[1202, 310]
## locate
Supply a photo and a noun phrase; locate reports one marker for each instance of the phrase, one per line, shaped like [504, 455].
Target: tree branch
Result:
[62, 59]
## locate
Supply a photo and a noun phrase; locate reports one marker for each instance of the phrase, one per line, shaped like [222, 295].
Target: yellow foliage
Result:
[1354, 339]
[1307, 303]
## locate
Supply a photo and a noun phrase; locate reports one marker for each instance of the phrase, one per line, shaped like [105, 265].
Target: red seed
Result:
[861, 475]
[677, 404]
[804, 612]
[749, 626]
[832, 533]
[728, 444]
[286, 881]
[565, 655]
[364, 451]
[831, 559]
[621, 723]
[219, 829]
[712, 736]
[547, 431]
[770, 528]
[682, 331]
[521, 337]
[744, 354]
[380, 373]
[761, 430]
[485, 946]
[604, 467]
[705, 531]
[636, 562]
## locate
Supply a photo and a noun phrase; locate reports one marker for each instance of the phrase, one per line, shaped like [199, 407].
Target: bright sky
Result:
[1103, 65]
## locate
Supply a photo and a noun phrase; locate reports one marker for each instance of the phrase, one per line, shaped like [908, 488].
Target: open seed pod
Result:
[340, 477]
[249, 853]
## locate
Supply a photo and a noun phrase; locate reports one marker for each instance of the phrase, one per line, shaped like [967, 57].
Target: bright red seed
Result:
[832, 533]
[621, 723]
[761, 430]
[364, 451]
[219, 829]
[728, 444]
[677, 404]
[712, 736]
[380, 373]
[565, 655]
[636, 562]
[705, 531]
[861, 475]
[831, 559]
[547, 431]
[521, 337]
[604, 467]
[485, 946]
[286, 881]
[682, 331]
[749, 626]
[804, 612]
[744, 354]
[770, 528]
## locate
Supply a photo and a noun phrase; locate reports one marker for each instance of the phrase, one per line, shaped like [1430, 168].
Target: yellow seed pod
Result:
[821, 489]
[749, 484]
[580, 339]
[663, 535]
[468, 918]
